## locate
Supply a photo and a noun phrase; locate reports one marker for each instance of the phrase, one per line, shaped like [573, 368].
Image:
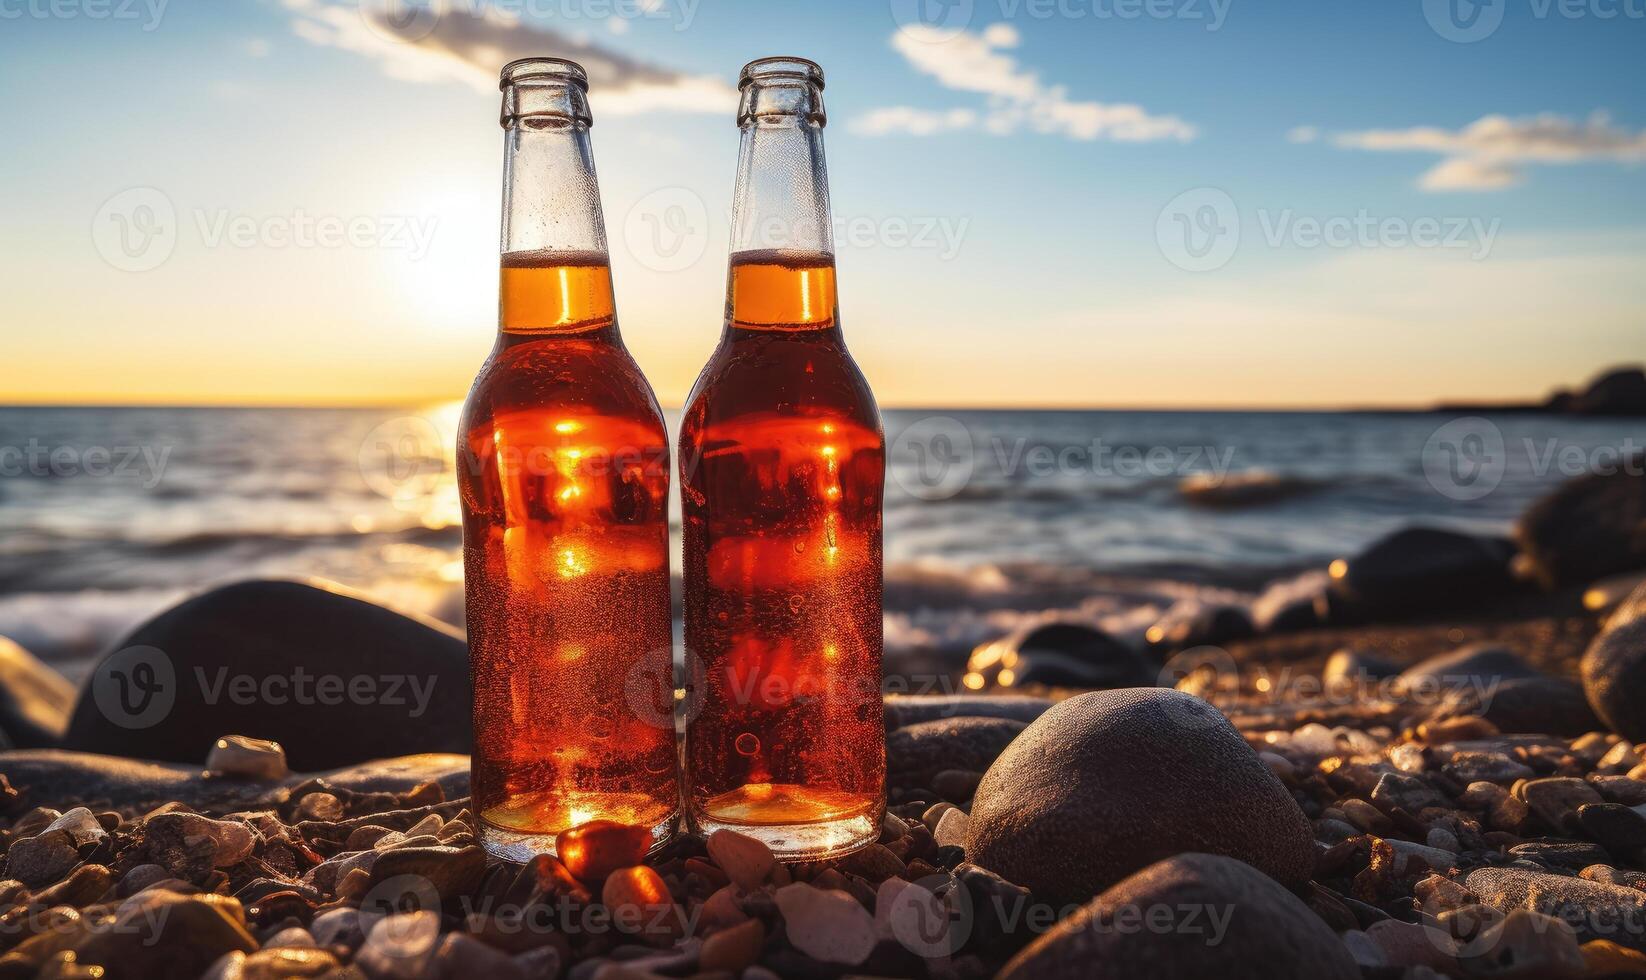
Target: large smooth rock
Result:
[1108, 782]
[1614, 670]
[1061, 654]
[1482, 667]
[1620, 391]
[910, 709]
[34, 699]
[1192, 623]
[1190, 917]
[1544, 705]
[331, 677]
[49, 776]
[917, 753]
[1419, 569]
[1588, 528]
[1594, 909]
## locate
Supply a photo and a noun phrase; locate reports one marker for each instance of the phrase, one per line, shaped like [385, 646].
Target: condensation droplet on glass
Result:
[799, 545]
[747, 744]
[796, 603]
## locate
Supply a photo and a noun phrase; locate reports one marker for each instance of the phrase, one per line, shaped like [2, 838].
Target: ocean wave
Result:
[1248, 488]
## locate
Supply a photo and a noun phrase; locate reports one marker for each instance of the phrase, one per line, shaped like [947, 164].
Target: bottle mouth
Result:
[546, 69]
[781, 67]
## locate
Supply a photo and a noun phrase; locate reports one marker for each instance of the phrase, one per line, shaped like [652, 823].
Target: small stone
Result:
[934, 814]
[174, 836]
[239, 757]
[161, 933]
[745, 860]
[873, 864]
[320, 806]
[1556, 799]
[1409, 793]
[293, 936]
[1526, 945]
[1595, 910]
[1365, 816]
[282, 962]
[1620, 757]
[1620, 789]
[720, 910]
[400, 947]
[42, 859]
[1622, 829]
[1411, 944]
[542, 963]
[81, 825]
[593, 850]
[1443, 839]
[1572, 855]
[338, 927]
[84, 885]
[1435, 858]
[1604, 958]
[461, 956]
[952, 828]
[1278, 764]
[453, 871]
[826, 925]
[733, 949]
[1494, 767]
[641, 905]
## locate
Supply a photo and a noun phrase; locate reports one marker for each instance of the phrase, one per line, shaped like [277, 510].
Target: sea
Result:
[992, 518]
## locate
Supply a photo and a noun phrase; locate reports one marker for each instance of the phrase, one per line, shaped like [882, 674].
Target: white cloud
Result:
[1303, 134]
[1015, 98]
[469, 45]
[1488, 153]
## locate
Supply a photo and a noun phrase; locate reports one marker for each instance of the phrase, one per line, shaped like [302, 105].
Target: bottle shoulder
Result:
[582, 376]
[794, 374]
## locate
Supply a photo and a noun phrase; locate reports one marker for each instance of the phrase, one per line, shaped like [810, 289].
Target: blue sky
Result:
[1069, 202]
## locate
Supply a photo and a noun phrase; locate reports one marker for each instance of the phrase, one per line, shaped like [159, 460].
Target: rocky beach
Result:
[1427, 759]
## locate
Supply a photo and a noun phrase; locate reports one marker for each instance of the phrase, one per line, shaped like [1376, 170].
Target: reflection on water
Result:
[109, 514]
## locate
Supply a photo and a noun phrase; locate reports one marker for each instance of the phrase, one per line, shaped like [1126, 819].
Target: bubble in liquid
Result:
[747, 744]
[796, 603]
[601, 726]
[799, 545]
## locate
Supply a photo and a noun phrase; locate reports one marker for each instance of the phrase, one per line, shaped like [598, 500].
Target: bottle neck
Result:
[556, 273]
[782, 265]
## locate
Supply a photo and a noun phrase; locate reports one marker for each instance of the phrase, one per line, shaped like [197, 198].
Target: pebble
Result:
[240, 757]
[1434, 857]
[934, 814]
[1492, 767]
[873, 864]
[826, 925]
[1595, 910]
[593, 850]
[1443, 839]
[1526, 945]
[159, 932]
[453, 871]
[1622, 829]
[460, 956]
[400, 947]
[641, 905]
[1278, 764]
[1406, 792]
[42, 859]
[340, 926]
[734, 949]
[292, 936]
[746, 861]
[1556, 799]
[1603, 958]
[952, 828]
[173, 835]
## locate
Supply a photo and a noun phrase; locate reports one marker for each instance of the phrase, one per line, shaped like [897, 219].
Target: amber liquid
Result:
[563, 472]
[782, 462]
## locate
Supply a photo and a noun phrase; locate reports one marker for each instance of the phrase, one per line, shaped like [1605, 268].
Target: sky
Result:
[1117, 203]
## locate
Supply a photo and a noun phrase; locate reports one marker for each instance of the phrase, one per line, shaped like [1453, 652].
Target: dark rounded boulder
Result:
[1192, 623]
[331, 677]
[1479, 667]
[34, 699]
[1060, 654]
[1421, 569]
[1544, 705]
[1620, 391]
[916, 753]
[1614, 670]
[1189, 917]
[1590, 527]
[1109, 782]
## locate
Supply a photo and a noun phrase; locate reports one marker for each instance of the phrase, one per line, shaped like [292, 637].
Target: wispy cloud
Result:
[468, 44]
[1489, 153]
[1015, 97]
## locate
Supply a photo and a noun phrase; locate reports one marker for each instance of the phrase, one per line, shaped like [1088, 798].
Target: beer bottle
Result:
[782, 464]
[563, 473]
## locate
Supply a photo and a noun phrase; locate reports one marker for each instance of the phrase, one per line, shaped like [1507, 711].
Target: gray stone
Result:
[1417, 569]
[1588, 528]
[1614, 670]
[1109, 782]
[1547, 705]
[916, 753]
[396, 684]
[1472, 668]
[910, 709]
[1267, 932]
[1593, 909]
